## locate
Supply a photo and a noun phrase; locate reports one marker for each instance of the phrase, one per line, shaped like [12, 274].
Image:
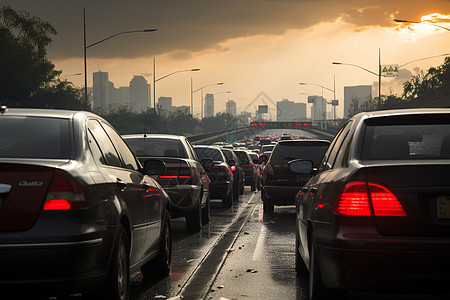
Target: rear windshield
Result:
[34, 137]
[285, 152]
[212, 153]
[242, 155]
[228, 154]
[158, 147]
[399, 142]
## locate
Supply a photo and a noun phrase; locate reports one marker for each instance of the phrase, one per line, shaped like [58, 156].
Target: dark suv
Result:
[279, 184]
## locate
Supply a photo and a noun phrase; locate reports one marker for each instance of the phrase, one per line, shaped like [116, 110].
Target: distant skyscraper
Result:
[319, 108]
[101, 90]
[139, 92]
[231, 107]
[290, 111]
[359, 93]
[209, 105]
[165, 103]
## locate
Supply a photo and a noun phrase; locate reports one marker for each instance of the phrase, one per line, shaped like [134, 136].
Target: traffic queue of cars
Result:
[372, 206]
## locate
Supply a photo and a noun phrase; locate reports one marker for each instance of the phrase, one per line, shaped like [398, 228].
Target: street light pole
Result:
[156, 80]
[98, 42]
[425, 23]
[331, 90]
[201, 89]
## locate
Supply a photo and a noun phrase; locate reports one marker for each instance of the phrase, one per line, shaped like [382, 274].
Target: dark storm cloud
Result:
[188, 26]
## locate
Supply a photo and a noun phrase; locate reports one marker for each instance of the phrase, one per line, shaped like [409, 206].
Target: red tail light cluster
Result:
[221, 170]
[233, 168]
[64, 193]
[177, 173]
[358, 198]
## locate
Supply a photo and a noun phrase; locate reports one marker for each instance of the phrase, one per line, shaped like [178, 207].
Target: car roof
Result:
[152, 135]
[403, 112]
[37, 112]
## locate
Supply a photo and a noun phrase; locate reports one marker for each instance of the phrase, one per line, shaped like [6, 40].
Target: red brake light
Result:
[233, 168]
[64, 193]
[177, 173]
[354, 201]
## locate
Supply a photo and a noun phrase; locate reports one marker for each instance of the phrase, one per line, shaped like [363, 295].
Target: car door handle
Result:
[122, 185]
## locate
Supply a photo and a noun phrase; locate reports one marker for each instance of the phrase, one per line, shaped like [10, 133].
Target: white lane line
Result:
[259, 248]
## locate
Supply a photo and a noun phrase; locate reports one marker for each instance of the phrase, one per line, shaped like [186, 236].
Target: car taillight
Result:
[64, 193]
[177, 173]
[221, 170]
[357, 198]
[233, 168]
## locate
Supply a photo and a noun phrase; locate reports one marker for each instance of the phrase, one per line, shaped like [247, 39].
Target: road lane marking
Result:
[259, 248]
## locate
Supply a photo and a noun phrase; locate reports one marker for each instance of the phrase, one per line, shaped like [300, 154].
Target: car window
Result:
[159, 147]
[323, 163]
[337, 147]
[228, 154]
[34, 137]
[106, 146]
[127, 156]
[212, 153]
[191, 149]
[421, 141]
[285, 152]
[95, 149]
[242, 156]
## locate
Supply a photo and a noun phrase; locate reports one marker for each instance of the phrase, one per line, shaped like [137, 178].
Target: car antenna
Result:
[145, 135]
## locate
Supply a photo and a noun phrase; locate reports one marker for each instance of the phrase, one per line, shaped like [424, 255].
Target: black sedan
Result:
[78, 212]
[376, 214]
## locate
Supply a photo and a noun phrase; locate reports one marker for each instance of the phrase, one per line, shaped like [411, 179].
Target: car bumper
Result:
[219, 189]
[281, 195]
[184, 197]
[368, 260]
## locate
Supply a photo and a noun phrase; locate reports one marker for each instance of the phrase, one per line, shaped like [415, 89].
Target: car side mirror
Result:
[207, 163]
[154, 167]
[301, 166]
[231, 162]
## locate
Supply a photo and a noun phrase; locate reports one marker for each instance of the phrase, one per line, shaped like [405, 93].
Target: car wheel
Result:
[236, 193]
[317, 290]
[267, 205]
[160, 266]
[253, 185]
[300, 266]
[206, 212]
[194, 219]
[227, 201]
[117, 286]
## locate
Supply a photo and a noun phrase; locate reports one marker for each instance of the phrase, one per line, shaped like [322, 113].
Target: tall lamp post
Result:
[379, 74]
[156, 80]
[421, 22]
[333, 103]
[201, 89]
[98, 42]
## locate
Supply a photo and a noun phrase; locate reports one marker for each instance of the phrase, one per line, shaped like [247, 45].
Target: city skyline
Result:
[252, 47]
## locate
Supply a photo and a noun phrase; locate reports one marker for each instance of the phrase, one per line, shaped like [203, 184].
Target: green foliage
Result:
[28, 78]
[424, 82]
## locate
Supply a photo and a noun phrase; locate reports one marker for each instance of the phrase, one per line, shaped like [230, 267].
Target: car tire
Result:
[317, 289]
[117, 286]
[253, 185]
[268, 206]
[161, 265]
[227, 201]
[206, 212]
[194, 219]
[300, 266]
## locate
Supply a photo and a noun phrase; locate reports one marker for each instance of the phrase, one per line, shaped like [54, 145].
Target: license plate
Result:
[443, 207]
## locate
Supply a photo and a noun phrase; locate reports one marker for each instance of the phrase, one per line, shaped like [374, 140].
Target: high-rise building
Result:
[290, 111]
[139, 92]
[209, 105]
[231, 107]
[319, 108]
[101, 91]
[165, 103]
[359, 94]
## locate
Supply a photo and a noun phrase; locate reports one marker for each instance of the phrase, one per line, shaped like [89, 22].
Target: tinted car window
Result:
[305, 150]
[422, 141]
[212, 153]
[127, 155]
[158, 147]
[243, 156]
[110, 153]
[95, 149]
[34, 137]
